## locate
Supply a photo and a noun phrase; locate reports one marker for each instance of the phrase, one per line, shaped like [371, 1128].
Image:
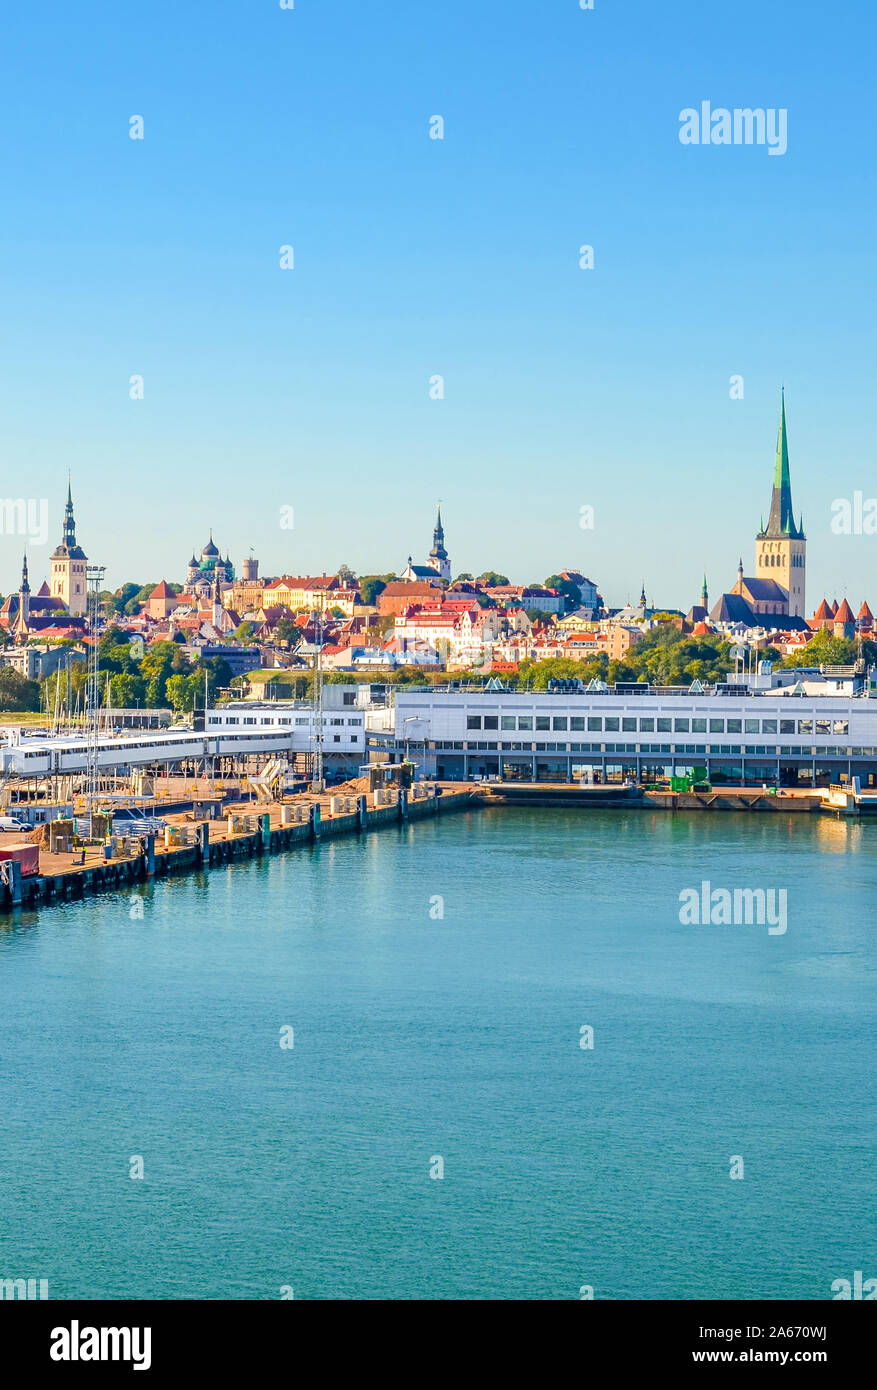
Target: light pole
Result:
[94, 578]
[411, 719]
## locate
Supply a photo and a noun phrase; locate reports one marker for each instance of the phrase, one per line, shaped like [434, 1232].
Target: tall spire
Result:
[23, 616]
[69, 536]
[781, 521]
[438, 556]
[704, 597]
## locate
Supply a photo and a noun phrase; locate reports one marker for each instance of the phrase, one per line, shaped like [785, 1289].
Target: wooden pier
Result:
[246, 830]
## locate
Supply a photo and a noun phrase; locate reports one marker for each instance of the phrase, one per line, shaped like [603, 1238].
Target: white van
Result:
[12, 823]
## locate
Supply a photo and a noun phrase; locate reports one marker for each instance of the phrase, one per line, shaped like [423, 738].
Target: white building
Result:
[781, 738]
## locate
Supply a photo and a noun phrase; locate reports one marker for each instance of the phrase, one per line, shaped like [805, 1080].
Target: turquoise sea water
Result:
[418, 1036]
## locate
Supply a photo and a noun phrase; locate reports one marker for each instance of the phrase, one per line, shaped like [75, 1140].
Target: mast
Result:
[94, 576]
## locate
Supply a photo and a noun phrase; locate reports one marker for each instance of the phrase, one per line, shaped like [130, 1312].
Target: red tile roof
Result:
[844, 614]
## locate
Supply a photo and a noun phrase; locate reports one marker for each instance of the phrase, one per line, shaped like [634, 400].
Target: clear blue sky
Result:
[564, 387]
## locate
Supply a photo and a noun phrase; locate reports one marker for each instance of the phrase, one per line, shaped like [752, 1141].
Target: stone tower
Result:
[781, 546]
[67, 566]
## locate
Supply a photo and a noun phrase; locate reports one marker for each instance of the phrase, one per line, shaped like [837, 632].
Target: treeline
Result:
[164, 677]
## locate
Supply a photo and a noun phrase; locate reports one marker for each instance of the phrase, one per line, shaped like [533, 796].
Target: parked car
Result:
[13, 823]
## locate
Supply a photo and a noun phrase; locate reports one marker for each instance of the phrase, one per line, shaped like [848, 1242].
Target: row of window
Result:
[692, 749]
[299, 722]
[596, 723]
[773, 560]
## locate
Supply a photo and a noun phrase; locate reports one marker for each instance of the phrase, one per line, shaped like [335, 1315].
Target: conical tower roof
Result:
[781, 521]
[844, 614]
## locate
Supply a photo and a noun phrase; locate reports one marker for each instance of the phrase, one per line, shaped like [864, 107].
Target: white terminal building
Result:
[228, 734]
[812, 732]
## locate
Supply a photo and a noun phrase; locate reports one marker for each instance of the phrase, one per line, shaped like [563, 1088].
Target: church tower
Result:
[781, 546]
[23, 615]
[438, 556]
[67, 566]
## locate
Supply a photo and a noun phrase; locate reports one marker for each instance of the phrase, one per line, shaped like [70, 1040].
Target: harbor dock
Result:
[244, 830]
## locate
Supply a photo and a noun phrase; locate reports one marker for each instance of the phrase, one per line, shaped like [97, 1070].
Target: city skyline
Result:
[780, 503]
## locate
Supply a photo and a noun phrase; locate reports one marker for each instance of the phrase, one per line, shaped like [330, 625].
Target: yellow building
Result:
[67, 578]
[312, 592]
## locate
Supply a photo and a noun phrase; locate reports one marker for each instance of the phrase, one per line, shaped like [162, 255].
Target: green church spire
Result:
[781, 521]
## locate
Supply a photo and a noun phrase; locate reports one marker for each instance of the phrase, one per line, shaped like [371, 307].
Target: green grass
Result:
[29, 717]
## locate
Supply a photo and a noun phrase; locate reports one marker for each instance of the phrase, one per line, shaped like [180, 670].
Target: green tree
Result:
[571, 592]
[664, 657]
[537, 674]
[124, 595]
[185, 693]
[115, 651]
[17, 692]
[823, 649]
[155, 668]
[492, 579]
[126, 691]
[219, 675]
[371, 586]
[285, 631]
[244, 633]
